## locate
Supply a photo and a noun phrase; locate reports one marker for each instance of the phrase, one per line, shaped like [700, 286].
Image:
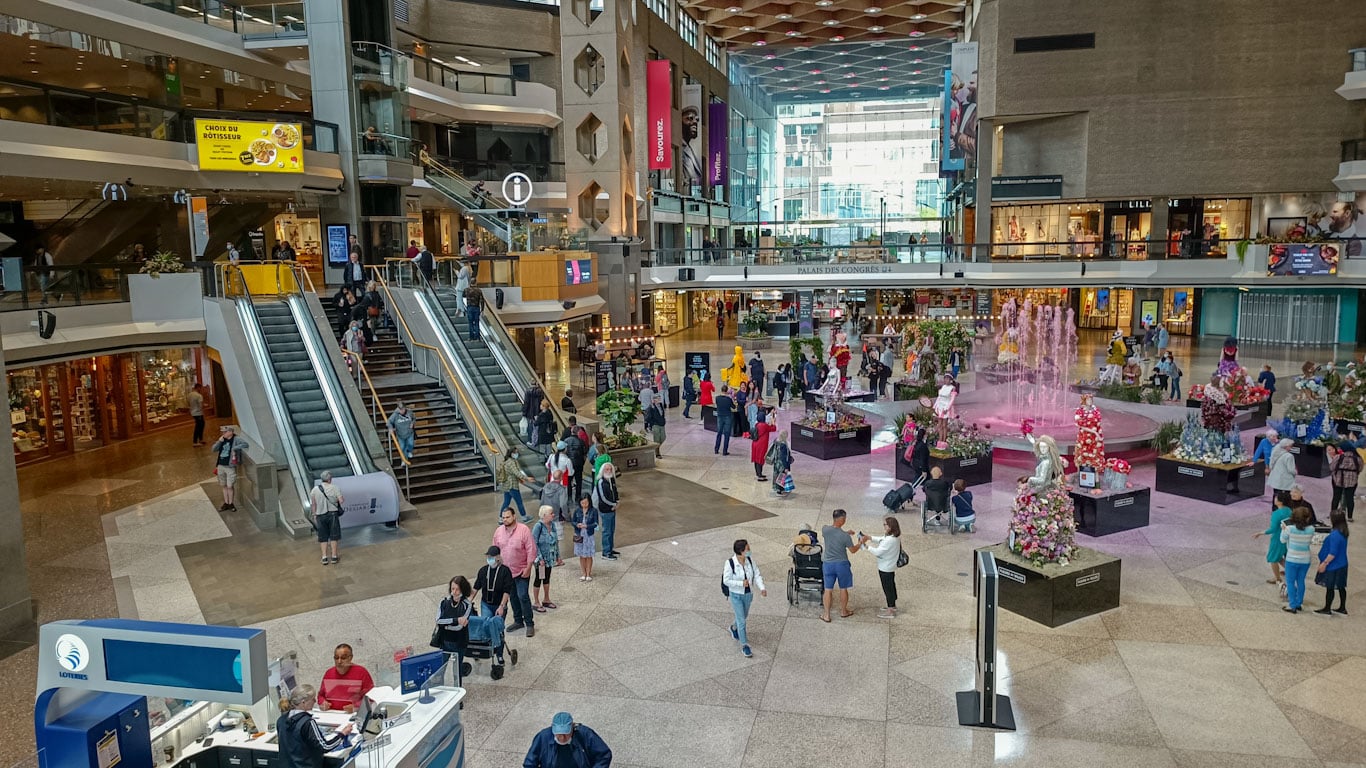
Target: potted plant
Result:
[832, 434]
[754, 330]
[967, 453]
[162, 262]
[618, 409]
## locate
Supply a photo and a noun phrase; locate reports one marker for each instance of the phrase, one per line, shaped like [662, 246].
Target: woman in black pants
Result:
[452, 625]
[887, 549]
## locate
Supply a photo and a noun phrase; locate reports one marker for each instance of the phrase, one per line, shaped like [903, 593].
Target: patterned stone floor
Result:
[1198, 667]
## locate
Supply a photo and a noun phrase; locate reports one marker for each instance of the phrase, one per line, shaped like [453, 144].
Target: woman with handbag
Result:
[547, 537]
[887, 550]
[758, 446]
[452, 633]
[1346, 468]
[780, 457]
[585, 526]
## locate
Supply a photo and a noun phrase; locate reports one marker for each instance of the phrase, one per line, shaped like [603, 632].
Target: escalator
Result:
[314, 428]
[461, 191]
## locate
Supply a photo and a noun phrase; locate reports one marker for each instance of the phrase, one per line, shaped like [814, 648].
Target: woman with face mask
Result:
[740, 581]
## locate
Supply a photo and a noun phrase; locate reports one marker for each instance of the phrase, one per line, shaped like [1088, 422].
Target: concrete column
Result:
[329, 60]
[986, 147]
[16, 601]
[1157, 230]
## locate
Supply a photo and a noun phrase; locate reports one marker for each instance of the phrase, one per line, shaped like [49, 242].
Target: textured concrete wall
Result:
[1054, 145]
[1210, 98]
[525, 28]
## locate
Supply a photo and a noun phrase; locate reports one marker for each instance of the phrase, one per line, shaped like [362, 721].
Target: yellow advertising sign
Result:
[241, 145]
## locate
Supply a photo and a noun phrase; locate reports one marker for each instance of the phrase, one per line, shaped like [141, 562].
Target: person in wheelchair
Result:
[936, 497]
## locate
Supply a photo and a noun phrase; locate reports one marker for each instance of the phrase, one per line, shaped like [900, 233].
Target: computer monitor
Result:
[414, 670]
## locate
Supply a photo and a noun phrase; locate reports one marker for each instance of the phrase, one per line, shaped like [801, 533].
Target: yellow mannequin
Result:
[735, 375]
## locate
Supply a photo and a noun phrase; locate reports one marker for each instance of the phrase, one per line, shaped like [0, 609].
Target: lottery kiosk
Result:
[137, 694]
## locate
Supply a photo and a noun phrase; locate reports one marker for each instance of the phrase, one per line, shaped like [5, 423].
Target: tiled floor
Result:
[1198, 667]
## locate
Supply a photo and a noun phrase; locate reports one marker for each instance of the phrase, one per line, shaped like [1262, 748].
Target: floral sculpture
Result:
[1090, 450]
[1203, 445]
[1350, 403]
[1306, 412]
[1228, 360]
[734, 374]
[1216, 412]
[1043, 527]
[840, 356]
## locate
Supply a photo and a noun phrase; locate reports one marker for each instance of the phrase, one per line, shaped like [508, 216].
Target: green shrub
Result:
[1167, 437]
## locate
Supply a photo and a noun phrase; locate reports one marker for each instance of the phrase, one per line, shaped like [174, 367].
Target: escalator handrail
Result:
[397, 447]
[493, 446]
[330, 383]
[515, 365]
[441, 169]
[260, 353]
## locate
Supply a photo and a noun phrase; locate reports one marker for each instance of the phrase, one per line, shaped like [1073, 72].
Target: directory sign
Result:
[604, 372]
[697, 362]
[806, 304]
[337, 239]
[243, 145]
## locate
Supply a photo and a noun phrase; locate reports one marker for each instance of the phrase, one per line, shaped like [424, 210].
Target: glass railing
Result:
[106, 113]
[1357, 57]
[63, 286]
[257, 20]
[387, 144]
[497, 170]
[372, 61]
[845, 258]
[1354, 150]
[440, 73]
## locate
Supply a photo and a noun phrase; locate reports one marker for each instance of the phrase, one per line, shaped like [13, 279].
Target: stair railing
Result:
[377, 409]
[491, 441]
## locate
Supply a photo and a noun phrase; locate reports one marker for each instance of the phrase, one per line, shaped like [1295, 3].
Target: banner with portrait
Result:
[691, 141]
[960, 109]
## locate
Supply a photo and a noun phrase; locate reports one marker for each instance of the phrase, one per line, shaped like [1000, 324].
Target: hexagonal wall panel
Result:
[591, 138]
[589, 70]
[594, 205]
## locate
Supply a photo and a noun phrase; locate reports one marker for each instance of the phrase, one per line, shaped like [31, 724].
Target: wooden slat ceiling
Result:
[742, 24]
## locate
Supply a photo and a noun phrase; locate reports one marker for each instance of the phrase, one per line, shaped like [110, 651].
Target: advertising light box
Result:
[242, 145]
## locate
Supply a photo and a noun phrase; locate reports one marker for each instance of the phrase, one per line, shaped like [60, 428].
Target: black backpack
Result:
[730, 566]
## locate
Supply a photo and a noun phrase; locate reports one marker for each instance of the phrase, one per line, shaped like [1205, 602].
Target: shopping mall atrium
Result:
[998, 358]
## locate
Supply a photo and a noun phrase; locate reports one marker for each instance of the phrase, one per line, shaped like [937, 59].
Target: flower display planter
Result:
[1254, 416]
[857, 441]
[755, 343]
[1053, 594]
[1347, 426]
[1111, 511]
[1311, 460]
[973, 470]
[632, 459]
[814, 399]
[1215, 483]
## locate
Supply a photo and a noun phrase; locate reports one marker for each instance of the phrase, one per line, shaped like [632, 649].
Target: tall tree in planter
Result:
[619, 409]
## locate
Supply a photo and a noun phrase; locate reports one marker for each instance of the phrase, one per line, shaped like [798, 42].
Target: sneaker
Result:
[587, 578]
[1288, 609]
[530, 632]
[885, 614]
[326, 561]
[224, 507]
[734, 633]
[745, 650]
[609, 557]
[336, 560]
[583, 578]
[1342, 611]
[516, 626]
[761, 479]
[1324, 612]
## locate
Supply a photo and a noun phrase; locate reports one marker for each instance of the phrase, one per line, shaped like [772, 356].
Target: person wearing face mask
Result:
[567, 744]
[741, 579]
[518, 551]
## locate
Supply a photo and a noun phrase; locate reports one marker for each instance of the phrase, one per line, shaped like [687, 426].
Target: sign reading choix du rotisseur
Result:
[242, 145]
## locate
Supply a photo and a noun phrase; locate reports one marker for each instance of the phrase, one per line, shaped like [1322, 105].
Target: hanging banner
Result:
[718, 143]
[692, 135]
[659, 104]
[806, 304]
[960, 109]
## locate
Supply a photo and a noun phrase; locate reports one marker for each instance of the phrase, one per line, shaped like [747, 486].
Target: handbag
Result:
[435, 642]
[372, 311]
[578, 539]
[902, 559]
[789, 485]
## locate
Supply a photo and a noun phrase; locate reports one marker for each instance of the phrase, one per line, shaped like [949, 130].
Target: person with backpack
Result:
[575, 441]
[740, 579]
[559, 462]
[425, 263]
[547, 537]
[887, 550]
[1345, 468]
[509, 479]
[919, 458]
[554, 495]
[654, 421]
[474, 304]
[354, 341]
[605, 499]
[964, 516]
[781, 382]
[543, 427]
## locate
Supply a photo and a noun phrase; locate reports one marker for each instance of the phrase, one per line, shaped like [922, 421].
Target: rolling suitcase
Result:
[897, 497]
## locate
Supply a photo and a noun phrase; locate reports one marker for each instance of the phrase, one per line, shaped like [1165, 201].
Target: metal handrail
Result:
[494, 447]
[256, 343]
[509, 355]
[378, 405]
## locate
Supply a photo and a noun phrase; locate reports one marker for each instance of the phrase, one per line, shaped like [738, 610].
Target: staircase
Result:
[312, 422]
[446, 461]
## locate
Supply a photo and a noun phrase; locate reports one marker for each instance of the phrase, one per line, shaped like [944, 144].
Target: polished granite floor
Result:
[1198, 667]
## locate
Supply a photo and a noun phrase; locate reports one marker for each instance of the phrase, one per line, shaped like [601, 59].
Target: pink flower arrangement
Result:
[1043, 528]
[1027, 427]
[1118, 465]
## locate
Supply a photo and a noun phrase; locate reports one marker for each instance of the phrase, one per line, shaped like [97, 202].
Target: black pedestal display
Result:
[814, 399]
[709, 421]
[1254, 416]
[974, 470]
[1218, 484]
[675, 396]
[1111, 511]
[1311, 460]
[833, 445]
[1054, 595]
[1347, 427]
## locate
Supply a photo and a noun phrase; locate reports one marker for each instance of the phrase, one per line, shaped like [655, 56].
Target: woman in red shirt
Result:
[706, 391]
[758, 447]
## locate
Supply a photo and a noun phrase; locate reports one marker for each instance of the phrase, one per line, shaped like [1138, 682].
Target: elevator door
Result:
[1288, 318]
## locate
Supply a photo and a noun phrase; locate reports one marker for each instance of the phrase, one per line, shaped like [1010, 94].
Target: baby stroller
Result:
[806, 575]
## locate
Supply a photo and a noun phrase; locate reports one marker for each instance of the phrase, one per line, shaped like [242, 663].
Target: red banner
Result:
[659, 105]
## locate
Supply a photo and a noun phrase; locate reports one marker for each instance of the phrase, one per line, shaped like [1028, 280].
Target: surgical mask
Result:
[516, 456]
[492, 561]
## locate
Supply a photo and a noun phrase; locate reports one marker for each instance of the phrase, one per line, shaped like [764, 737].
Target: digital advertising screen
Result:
[1305, 259]
[242, 145]
[578, 271]
[338, 236]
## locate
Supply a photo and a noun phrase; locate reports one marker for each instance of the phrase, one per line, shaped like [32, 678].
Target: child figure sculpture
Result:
[944, 410]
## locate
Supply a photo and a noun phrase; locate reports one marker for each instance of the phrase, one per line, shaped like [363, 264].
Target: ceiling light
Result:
[770, 56]
[783, 16]
[831, 22]
[875, 28]
[883, 88]
[915, 72]
[850, 74]
[883, 79]
[802, 48]
[872, 9]
[825, 90]
[915, 61]
[820, 82]
[815, 71]
[876, 44]
[746, 28]
[917, 33]
[837, 39]
[793, 33]
[914, 48]
[759, 42]
[438, 61]
[917, 16]
[733, 9]
[825, 3]
[779, 68]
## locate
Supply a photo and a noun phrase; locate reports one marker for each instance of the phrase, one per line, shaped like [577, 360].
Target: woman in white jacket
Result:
[741, 578]
[1281, 471]
[887, 549]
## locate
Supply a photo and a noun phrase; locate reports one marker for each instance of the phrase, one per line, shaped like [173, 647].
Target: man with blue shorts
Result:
[839, 544]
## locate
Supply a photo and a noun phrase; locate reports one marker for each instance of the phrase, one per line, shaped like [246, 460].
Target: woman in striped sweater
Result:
[1297, 537]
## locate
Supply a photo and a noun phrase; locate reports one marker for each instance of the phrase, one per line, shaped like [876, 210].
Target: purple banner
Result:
[718, 143]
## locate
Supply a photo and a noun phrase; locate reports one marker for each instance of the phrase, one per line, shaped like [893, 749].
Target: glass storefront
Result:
[1111, 308]
[90, 402]
[1195, 228]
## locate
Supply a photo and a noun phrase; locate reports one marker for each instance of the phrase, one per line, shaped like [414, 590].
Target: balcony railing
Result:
[108, 113]
[1358, 59]
[497, 170]
[442, 74]
[28, 287]
[1353, 150]
[255, 21]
